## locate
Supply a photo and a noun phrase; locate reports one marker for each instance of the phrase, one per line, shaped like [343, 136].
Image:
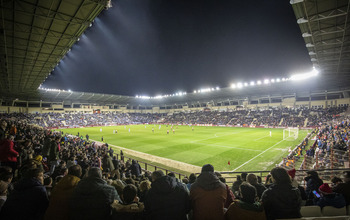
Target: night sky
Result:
[153, 47]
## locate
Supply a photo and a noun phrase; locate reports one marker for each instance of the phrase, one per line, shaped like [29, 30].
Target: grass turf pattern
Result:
[247, 149]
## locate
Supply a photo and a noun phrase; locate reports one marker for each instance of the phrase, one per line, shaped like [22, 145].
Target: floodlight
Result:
[283, 79]
[185, 93]
[69, 90]
[302, 76]
[259, 82]
[245, 84]
[217, 88]
[233, 86]
[252, 83]
[239, 85]
[272, 80]
[194, 91]
[266, 81]
[278, 80]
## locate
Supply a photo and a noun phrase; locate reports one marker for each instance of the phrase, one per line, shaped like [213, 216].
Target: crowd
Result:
[283, 117]
[52, 175]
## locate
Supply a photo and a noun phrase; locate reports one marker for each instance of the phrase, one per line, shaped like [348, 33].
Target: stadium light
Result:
[194, 91]
[239, 85]
[266, 81]
[302, 76]
[278, 80]
[69, 90]
[259, 82]
[272, 80]
[217, 88]
[233, 86]
[245, 84]
[252, 83]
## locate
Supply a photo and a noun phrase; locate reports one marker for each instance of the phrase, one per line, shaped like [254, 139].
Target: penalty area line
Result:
[256, 156]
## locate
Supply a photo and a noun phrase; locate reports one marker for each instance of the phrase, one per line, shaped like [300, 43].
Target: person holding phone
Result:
[328, 198]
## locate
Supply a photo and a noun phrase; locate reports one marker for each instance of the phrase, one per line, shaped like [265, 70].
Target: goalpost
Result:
[290, 134]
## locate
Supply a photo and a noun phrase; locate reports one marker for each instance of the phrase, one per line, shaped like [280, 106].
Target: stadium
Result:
[296, 124]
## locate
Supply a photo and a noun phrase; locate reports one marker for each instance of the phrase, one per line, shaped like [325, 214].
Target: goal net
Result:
[290, 134]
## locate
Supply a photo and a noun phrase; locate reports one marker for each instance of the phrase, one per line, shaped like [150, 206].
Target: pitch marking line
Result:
[256, 156]
[262, 137]
[216, 145]
[216, 136]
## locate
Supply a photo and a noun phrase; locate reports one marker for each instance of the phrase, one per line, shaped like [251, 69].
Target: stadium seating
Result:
[332, 211]
[310, 211]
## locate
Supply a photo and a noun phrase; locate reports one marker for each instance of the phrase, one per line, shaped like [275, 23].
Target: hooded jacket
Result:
[133, 211]
[208, 196]
[167, 199]
[60, 196]
[281, 201]
[28, 201]
[240, 210]
[91, 199]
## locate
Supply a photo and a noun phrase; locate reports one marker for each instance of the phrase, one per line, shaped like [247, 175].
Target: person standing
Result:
[167, 198]
[8, 154]
[208, 195]
[54, 154]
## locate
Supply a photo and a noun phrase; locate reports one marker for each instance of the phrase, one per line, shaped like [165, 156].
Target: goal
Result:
[290, 134]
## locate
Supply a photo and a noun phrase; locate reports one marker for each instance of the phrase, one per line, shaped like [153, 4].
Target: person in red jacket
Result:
[8, 155]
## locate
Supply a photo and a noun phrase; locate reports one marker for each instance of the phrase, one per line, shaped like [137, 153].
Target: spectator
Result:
[135, 168]
[235, 186]
[144, 187]
[107, 163]
[329, 198]
[344, 188]
[3, 193]
[295, 184]
[253, 180]
[3, 125]
[130, 208]
[192, 179]
[61, 194]
[54, 154]
[281, 200]
[29, 199]
[230, 197]
[247, 207]
[92, 197]
[208, 195]
[8, 155]
[167, 198]
[313, 182]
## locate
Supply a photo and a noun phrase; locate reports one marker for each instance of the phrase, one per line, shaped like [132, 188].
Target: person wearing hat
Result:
[329, 198]
[208, 195]
[344, 188]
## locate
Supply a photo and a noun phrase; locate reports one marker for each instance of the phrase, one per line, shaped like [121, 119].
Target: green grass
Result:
[247, 149]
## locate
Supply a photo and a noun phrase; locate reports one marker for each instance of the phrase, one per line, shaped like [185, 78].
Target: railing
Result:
[146, 167]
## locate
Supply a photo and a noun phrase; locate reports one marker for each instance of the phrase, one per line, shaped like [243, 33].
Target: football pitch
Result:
[226, 148]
